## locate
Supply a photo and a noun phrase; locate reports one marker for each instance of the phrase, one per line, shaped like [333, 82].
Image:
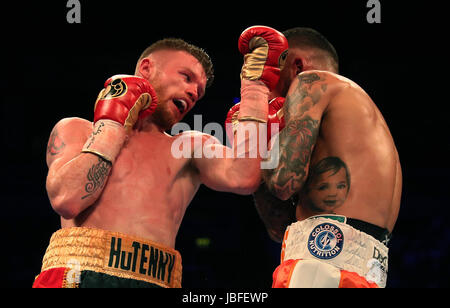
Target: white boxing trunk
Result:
[325, 251]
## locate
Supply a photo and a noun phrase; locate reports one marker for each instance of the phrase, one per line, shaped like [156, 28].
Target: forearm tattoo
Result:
[95, 133]
[295, 154]
[298, 138]
[97, 176]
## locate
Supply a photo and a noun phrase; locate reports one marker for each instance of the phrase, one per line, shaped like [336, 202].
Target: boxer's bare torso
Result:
[353, 130]
[105, 176]
[147, 191]
[337, 156]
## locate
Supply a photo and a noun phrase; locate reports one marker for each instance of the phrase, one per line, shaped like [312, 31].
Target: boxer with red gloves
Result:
[117, 184]
[334, 197]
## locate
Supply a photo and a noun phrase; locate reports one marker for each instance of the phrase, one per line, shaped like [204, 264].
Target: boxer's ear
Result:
[145, 68]
[299, 66]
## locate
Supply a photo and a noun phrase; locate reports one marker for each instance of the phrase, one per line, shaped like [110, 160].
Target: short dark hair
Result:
[331, 163]
[302, 37]
[179, 44]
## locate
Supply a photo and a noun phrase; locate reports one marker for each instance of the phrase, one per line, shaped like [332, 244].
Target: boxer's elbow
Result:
[63, 208]
[245, 184]
[63, 202]
[248, 187]
[275, 236]
[278, 191]
[282, 194]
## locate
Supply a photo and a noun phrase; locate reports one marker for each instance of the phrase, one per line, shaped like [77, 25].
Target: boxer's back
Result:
[354, 135]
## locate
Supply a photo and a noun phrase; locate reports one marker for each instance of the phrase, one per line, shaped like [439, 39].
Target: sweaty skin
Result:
[329, 116]
[146, 191]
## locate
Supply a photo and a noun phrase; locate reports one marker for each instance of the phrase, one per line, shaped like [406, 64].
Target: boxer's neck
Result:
[149, 126]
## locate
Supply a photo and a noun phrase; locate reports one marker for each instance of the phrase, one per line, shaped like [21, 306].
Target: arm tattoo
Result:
[308, 78]
[298, 138]
[296, 150]
[97, 176]
[95, 133]
[304, 97]
[55, 144]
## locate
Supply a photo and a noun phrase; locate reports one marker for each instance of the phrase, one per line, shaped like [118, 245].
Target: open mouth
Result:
[181, 105]
[330, 202]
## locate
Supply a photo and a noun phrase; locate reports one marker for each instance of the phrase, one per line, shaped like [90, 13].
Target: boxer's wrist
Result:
[106, 140]
[254, 97]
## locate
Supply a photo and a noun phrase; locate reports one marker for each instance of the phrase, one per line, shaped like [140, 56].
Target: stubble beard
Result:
[162, 116]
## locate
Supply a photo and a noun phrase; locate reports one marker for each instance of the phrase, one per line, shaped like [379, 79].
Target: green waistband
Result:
[338, 218]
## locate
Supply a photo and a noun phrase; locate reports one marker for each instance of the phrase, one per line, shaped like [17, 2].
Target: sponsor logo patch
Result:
[326, 241]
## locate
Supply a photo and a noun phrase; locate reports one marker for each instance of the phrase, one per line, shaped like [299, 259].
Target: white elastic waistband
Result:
[329, 239]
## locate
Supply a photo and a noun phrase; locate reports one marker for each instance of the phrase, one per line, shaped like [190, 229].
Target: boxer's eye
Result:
[186, 77]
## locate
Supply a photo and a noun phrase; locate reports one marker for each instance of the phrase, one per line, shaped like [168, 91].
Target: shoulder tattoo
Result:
[55, 144]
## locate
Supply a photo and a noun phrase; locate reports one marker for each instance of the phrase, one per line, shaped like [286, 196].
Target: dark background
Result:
[52, 69]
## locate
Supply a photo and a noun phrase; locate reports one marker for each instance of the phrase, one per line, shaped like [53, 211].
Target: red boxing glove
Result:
[275, 116]
[125, 99]
[265, 51]
[232, 121]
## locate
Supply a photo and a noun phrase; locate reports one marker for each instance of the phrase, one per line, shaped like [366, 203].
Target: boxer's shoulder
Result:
[329, 84]
[67, 137]
[71, 130]
[73, 125]
[324, 77]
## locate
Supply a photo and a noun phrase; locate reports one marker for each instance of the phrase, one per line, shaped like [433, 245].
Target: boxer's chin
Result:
[163, 117]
